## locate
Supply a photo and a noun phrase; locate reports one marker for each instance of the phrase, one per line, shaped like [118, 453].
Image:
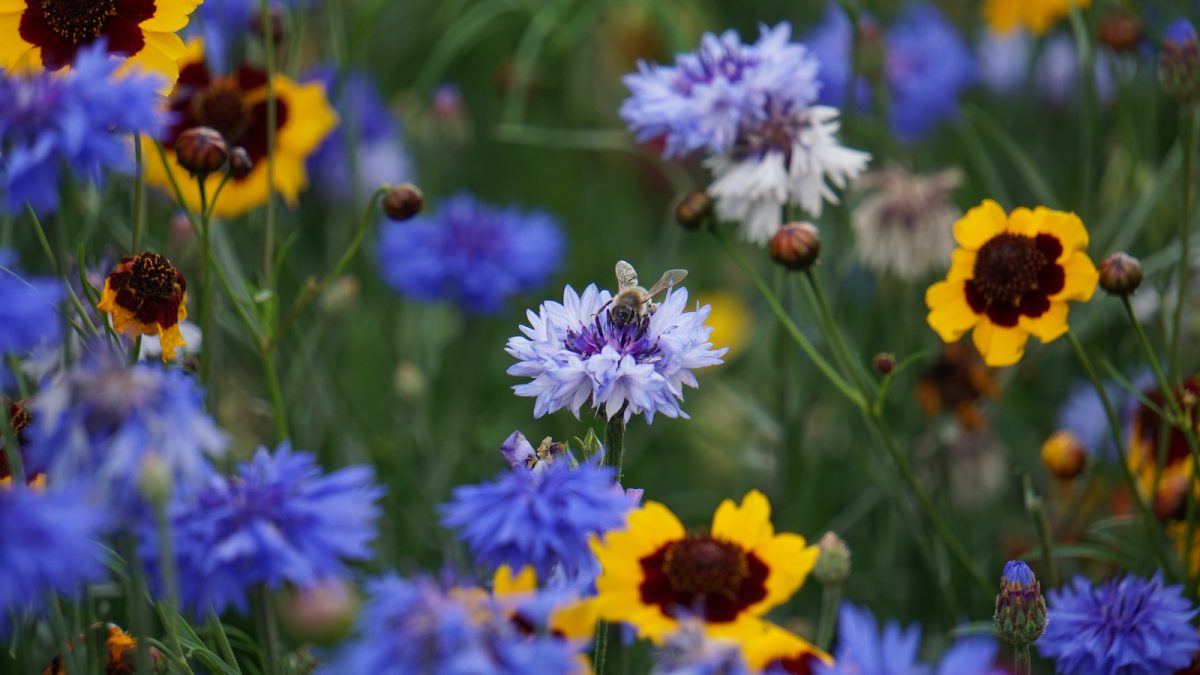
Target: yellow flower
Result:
[236, 106]
[147, 295]
[1010, 278]
[37, 34]
[1038, 16]
[731, 321]
[1063, 455]
[777, 650]
[1178, 468]
[573, 620]
[655, 573]
[120, 646]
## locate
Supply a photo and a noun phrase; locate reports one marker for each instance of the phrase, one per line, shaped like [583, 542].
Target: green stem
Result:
[1114, 426]
[600, 651]
[166, 552]
[277, 405]
[831, 599]
[1021, 660]
[139, 194]
[268, 633]
[1086, 55]
[614, 444]
[218, 631]
[206, 308]
[62, 634]
[1037, 510]
[139, 617]
[1187, 122]
[840, 347]
[272, 112]
[805, 344]
[41, 237]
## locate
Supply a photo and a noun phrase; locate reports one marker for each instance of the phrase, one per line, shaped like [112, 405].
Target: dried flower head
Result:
[905, 225]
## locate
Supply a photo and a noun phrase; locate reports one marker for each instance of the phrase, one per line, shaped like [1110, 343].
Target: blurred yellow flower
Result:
[731, 321]
[1011, 277]
[1036, 16]
[777, 650]
[1063, 455]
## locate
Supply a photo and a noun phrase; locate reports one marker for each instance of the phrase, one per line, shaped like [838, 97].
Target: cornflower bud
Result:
[1020, 608]
[1120, 274]
[402, 202]
[1179, 62]
[796, 246]
[694, 210]
[833, 562]
[201, 150]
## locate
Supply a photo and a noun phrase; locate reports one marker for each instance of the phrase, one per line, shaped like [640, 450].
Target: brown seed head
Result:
[201, 150]
[796, 246]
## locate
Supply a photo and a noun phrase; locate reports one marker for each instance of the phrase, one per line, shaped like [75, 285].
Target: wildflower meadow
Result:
[561, 337]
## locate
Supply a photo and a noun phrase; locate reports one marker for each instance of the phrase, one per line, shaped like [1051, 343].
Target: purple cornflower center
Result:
[631, 339]
[729, 62]
[777, 131]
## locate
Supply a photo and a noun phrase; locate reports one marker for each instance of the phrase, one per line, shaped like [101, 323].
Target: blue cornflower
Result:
[79, 122]
[471, 254]
[279, 519]
[49, 546]
[379, 155]
[225, 24]
[1056, 73]
[690, 652]
[751, 108]
[864, 650]
[1127, 625]
[97, 422]
[927, 66]
[29, 313]
[1082, 414]
[1004, 60]
[414, 627]
[539, 518]
[575, 353]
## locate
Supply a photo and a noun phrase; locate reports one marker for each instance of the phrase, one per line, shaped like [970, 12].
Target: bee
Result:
[632, 302]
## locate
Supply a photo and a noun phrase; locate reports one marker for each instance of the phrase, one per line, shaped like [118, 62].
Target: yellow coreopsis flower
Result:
[573, 619]
[1010, 278]
[1037, 16]
[236, 107]
[37, 34]
[655, 574]
[146, 295]
[777, 650]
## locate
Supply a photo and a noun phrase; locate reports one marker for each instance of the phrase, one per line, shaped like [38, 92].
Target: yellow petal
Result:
[748, 524]
[1065, 226]
[1022, 221]
[962, 264]
[999, 346]
[1049, 326]
[789, 561]
[506, 583]
[170, 16]
[949, 314]
[979, 225]
[1081, 278]
[13, 50]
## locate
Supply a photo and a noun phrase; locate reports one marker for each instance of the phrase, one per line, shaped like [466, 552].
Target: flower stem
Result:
[139, 194]
[1187, 122]
[272, 113]
[840, 348]
[218, 631]
[805, 344]
[268, 632]
[1114, 425]
[1021, 660]
[614, 445]
[206, 308]
[831, 599]
[166, 553]
[1037, 510]
[277, 404]
[139, 617]
[41, 236]
[1086, 55]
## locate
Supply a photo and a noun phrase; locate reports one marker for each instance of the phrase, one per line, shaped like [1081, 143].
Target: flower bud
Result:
[155, 481]
[403, 201]
[1120, 30]
[323, 613]
[884, 363]
[240, 164]
[201, 150]
[833, 562]
[1170, 502]
[1120, 274]
[1179, 62]
[694, 210]
[1020, 608]
[796, 246]
[1063, 455]
[410, 381]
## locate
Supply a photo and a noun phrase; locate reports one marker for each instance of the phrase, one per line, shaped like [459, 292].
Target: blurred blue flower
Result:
[709, 98]
[543, 519]
[97, 423]
[863, 650]
[1056, 73]
[1125, 625]
[927, 65]
[49, 546]
[471, 254]
[1181, 31]
[225, 25]
[29, 313]
[575, 354]
[279, 519]
[379, 155]
[1004, 60]
[1082, 414]
[414, 627]
[690, 652]
[79, 122]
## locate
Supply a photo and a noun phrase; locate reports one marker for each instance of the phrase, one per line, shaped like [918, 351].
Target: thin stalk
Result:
[831, 599]
[805, 344]
[41, 236]
[139, 617]
[1114, 425]
[600, 651]
[62, 634]
[206, 308]
[166, 551]
[277, 405]
[139, 193]
[218, 631]
[268, 633]
[614, 456]
[1086, 55]
[1187, 122]
[272, 112]
[840, 346]
[1037, 510]
[1021, 660]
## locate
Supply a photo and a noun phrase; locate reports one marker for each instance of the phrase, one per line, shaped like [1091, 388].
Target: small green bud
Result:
[155, 481]
[833, 564]
[1020, 608]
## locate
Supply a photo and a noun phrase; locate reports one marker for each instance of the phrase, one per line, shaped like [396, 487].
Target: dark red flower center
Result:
[78, 20]
[1015, 276]
[805, 664]
[223, 107]
[705, 577]
[153, 276]
[150, 287]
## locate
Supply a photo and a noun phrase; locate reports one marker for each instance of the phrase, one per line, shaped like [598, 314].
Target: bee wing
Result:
[626, 276]
[669, 279]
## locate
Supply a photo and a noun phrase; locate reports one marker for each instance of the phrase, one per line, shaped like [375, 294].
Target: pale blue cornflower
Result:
[863, 649]
[29, 314]
[575, 354]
